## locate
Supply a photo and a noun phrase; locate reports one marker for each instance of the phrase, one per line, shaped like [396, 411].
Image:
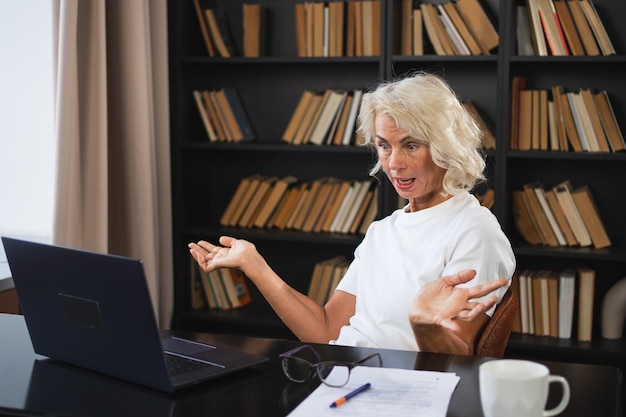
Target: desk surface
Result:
[33, 385]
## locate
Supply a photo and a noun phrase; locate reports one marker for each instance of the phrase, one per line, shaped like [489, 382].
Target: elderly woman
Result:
[427, 276]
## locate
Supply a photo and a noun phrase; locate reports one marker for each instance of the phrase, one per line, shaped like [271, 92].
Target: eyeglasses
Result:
[331, 373]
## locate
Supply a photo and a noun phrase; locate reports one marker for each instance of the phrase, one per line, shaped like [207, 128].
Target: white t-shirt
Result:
[404, 251]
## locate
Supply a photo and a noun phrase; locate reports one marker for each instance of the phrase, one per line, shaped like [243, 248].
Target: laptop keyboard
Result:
[177, 365]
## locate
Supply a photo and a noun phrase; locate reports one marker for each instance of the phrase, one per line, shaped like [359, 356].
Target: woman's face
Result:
[408, 164]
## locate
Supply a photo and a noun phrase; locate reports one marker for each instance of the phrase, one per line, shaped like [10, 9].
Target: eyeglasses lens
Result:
[298, 370]
[333, 375]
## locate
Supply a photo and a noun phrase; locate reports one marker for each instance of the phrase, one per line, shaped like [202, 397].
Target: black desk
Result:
[33, 385]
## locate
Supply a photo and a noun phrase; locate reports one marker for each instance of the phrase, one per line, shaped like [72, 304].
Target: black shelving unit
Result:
[204, 175]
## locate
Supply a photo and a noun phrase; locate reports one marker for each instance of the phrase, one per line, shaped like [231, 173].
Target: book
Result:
[334, 205]
[591, 217]
[370, 214]
[199, 9]
[525, 120]
[357, 19]
[257, 201]
[579, 122]
[301, 29]
[288, 207]
[568, 121]
[573, 216]
[567, 296]
[307, 204]
[370, 15]
[196, 289]
[236, 288]
[479, 24]
[535, 120]
[431, 24]
[460, 46]
[348, 134]
[240, 114]
[327, 115]
[523, 302]
[317, 204]
[406, 32]
[235, 133]
[359, 195]
[219, 28]
[458, 22]
[597, 27]
[515, 289]
[569, 28]
[539, 216]
[587, 37]
[216, 117]
[342, 121]
[537, 34]
[336, 29]
[254, 15]
[321, 278]
[418, 32]
[361, 212]
[561, 135]
[609, 122]
[537, 303]
[204, 115]
[276, 193]
[209, 294]
[253, 184]
[523, 220]
[553, 133]
[542, 122]
[547, 209]
[553, 303]
[523, 35]
[561, 220]
[235, 202]
[344, 207]
[586, 286]
[308, 120]
[297, 116]
[325, 210]
[219, 291]
[594, 118]
[552, 28]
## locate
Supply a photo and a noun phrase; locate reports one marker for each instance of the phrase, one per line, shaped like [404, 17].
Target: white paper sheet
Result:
[394, 392]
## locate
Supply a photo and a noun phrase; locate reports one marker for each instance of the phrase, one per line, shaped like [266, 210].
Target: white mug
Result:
[518, 388]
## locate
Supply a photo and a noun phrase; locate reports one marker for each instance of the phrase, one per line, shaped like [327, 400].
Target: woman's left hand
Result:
[441, 302]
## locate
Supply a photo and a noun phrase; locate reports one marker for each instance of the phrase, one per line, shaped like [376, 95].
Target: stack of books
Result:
[326, 275]
[324, 118]
[324, 205]
[548, 301]
[561, 120]
[338, 28]
[224, 289]
[215, 29]
[224, 117]
[460, 27]
[561, 28]
[559, 216]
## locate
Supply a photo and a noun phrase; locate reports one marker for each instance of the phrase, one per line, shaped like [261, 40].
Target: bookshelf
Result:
[204, 175]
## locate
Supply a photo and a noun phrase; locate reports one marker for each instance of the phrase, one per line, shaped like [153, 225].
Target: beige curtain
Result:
[112, 127]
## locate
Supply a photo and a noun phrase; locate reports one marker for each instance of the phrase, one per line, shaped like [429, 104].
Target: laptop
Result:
[94, 311]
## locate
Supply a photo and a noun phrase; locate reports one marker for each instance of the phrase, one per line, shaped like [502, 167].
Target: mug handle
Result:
[564, 399]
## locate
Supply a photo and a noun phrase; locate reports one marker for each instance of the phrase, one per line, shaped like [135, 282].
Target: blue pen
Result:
[350, 395]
